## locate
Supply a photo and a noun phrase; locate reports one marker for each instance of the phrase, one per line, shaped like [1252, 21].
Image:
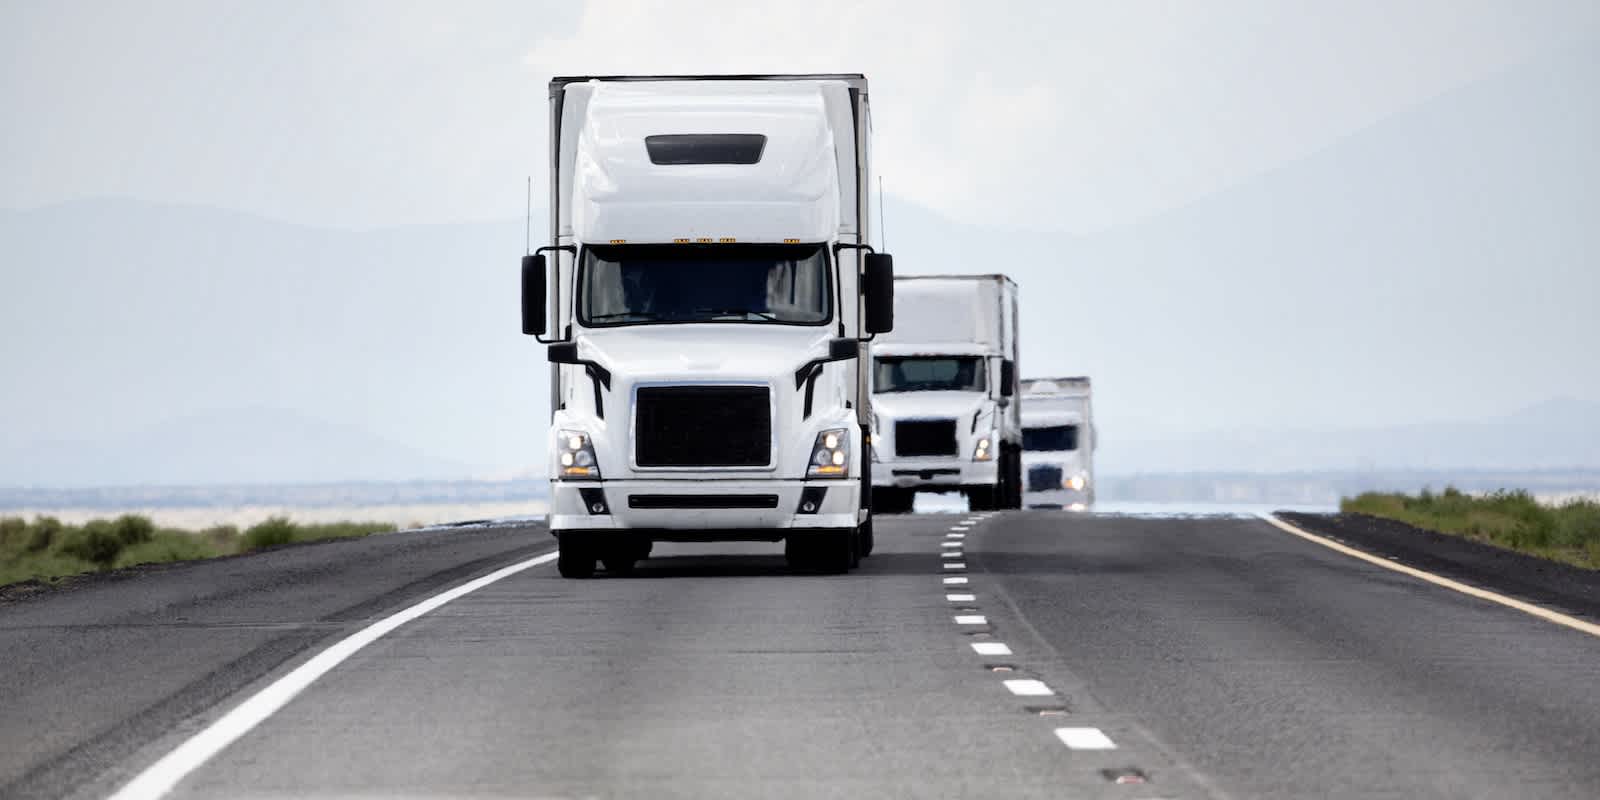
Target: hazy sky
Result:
[1235, 215]
[1067, 116]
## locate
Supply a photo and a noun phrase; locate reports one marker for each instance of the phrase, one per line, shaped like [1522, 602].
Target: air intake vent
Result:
[925, 437]
[703, 426]
[705, 148]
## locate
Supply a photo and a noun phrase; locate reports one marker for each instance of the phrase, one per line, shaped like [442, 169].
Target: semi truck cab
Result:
[706, 298]
[1058, 442]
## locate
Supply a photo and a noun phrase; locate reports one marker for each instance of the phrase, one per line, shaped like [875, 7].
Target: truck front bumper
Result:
[934, 474]
[1057, 498]
[706, 511]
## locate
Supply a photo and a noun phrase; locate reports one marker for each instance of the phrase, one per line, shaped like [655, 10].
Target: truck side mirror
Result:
[879, 293]
[564, 353]
[533, 302]
[1008, 378]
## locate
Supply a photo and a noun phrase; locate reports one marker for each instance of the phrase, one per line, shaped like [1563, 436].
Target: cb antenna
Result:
[883, 219]
[527, 224]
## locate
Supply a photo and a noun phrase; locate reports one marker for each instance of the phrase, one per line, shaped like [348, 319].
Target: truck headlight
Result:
[1075, 483]
[830, 457]
[984, 451]
[576, 456]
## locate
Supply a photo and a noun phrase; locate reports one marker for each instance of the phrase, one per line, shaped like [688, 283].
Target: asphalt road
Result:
[1217, 657]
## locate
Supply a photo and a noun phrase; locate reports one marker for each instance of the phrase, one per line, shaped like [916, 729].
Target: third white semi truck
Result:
[944, 390]
[707, 297]
[1058, 441]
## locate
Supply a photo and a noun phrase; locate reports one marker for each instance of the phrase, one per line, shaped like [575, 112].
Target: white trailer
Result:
[707, 300]
[1058, 442]
[944, 383]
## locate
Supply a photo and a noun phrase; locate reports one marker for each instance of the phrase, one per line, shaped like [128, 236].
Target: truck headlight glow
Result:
[577, 456]
[1075, 483]
[830, 458]
[983, 451]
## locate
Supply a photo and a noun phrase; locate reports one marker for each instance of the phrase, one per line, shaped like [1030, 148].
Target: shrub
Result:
[224, 538]
[43, 533]
[96, 542]
[134, 529]
[270, 532]
[12, 529]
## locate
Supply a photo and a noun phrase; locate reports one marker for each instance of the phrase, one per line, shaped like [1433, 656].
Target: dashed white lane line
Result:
[1085, 739]
[961, 598]
[1028, 687]
[950, 544]
[990, 649]
[954, 565]
[971, 619]
[957, 581]
[956, 536]
[160, 777]
[950, 554]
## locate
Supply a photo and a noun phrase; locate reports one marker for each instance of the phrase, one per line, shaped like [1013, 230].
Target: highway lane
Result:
[1220, 657]
[93, 674]
[703, 676]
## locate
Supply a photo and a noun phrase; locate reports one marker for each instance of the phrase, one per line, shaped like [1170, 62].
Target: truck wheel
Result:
[892, 501]
[576, 555]
[619, 565]
[982, 498]
[828, 552]
[1014, 481]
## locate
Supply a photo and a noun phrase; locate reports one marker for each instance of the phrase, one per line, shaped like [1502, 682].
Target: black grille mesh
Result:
[703, 426]
[1044, 478]
[925, 437]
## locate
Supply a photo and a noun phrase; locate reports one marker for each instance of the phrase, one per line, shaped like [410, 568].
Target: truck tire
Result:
[828, 552]
[983, 498]
[892, 501]
[1014, 481]
[576, 555]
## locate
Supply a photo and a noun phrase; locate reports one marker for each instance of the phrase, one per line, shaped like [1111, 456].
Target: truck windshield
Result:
[1055, 438]
[929, 373]
[760, 283]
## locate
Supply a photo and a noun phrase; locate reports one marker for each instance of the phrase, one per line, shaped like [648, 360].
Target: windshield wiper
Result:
[641, 315]
[767, 315]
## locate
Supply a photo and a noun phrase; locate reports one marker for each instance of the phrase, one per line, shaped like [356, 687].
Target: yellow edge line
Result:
[1439, 580]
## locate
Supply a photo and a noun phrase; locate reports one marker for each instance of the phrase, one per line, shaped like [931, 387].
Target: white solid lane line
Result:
[955, 581]
[961, 598]
[971, 619]
[1028, 687]
[1439, 580]
[990, 649]
[159, 778]
[1085, 739]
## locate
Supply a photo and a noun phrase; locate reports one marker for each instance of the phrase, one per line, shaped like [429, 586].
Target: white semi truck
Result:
[944, 386]
[1058, 441]
[706, 297]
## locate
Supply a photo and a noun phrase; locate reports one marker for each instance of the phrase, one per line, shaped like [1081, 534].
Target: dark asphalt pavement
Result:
[1221, 657]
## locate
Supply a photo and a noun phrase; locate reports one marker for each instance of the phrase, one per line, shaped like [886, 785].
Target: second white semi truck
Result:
[1058, 441]
[707, 297]
[944, 389]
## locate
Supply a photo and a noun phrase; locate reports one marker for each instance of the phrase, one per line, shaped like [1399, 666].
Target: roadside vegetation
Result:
[1569, 532]
[44, 549]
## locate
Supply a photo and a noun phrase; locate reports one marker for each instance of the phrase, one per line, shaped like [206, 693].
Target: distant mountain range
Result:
[1560, 434]
[246, 446]
[1439, 265]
